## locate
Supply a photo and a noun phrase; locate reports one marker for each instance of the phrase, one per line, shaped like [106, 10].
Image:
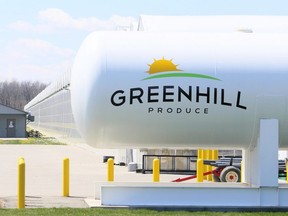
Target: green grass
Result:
[124, 212]
[38, 141]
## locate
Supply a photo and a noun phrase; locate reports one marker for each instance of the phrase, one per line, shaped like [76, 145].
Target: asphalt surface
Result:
[44, 175]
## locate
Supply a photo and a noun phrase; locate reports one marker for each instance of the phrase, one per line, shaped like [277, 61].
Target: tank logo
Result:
[155, 96]
[164, 68]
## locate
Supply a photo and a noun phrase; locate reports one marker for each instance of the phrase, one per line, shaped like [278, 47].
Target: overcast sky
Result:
[39, 39]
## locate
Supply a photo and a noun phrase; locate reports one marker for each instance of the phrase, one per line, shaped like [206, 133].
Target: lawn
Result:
[124, 212]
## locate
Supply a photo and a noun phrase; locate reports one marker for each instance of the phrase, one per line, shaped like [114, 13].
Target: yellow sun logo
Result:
[162, 65]
[164, 68]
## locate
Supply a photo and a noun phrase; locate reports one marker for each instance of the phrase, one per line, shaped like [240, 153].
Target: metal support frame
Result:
[261, 189]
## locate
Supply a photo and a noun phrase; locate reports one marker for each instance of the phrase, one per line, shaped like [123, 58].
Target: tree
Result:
[17, 94]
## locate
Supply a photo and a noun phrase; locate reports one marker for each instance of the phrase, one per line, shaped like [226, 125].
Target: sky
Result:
[39, 39]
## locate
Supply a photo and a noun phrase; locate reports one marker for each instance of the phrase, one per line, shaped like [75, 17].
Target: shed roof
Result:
[220, 23]
[9, 110]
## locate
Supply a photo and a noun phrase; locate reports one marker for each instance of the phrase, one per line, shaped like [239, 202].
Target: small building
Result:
[12, 122]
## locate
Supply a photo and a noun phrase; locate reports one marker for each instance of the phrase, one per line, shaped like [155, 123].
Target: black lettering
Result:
[150, 109]
[121, 99]
[238, 101]
[197, 110]
[169, 110]
[188, 110]
[205, 110]
[165, 94]
[206, 94]
[179, 110]
[137, 96]
[160, 110]
[223, 99]
[182, 92]
[215, 95]
[151, 94]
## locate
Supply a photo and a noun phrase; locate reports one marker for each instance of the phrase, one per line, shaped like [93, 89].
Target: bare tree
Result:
[17, 94]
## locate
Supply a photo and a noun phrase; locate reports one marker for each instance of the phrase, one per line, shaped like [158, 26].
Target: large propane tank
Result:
[148, 89]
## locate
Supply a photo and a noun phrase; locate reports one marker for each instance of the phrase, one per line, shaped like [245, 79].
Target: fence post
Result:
[110, 172]
[200, 170]
[66, 177]
[156, 170]
[21, 183]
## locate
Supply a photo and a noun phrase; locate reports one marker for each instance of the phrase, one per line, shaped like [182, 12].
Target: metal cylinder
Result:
[66, 177]
[21, 183]
[156, 170]
[153, 89]
[110, 170]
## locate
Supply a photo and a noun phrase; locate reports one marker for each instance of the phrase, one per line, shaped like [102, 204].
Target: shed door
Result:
[11, 127]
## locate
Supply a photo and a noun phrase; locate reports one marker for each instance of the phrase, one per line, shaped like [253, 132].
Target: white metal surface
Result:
[197, 195]
[237, 79]
[228, 23]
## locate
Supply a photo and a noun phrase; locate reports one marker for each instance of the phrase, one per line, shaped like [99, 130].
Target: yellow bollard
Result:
[110, 173]
[205, 157]
[66, 177]
[200, 170]
[214, 157]
[210, 155]
[156, 170]
[214, 154]
[21, 183]
[200, 154]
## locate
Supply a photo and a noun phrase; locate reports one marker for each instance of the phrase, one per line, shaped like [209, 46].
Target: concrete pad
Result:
[46, 202]
[44, 174]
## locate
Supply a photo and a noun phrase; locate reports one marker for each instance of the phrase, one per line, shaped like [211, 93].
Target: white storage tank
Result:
[152, 89]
